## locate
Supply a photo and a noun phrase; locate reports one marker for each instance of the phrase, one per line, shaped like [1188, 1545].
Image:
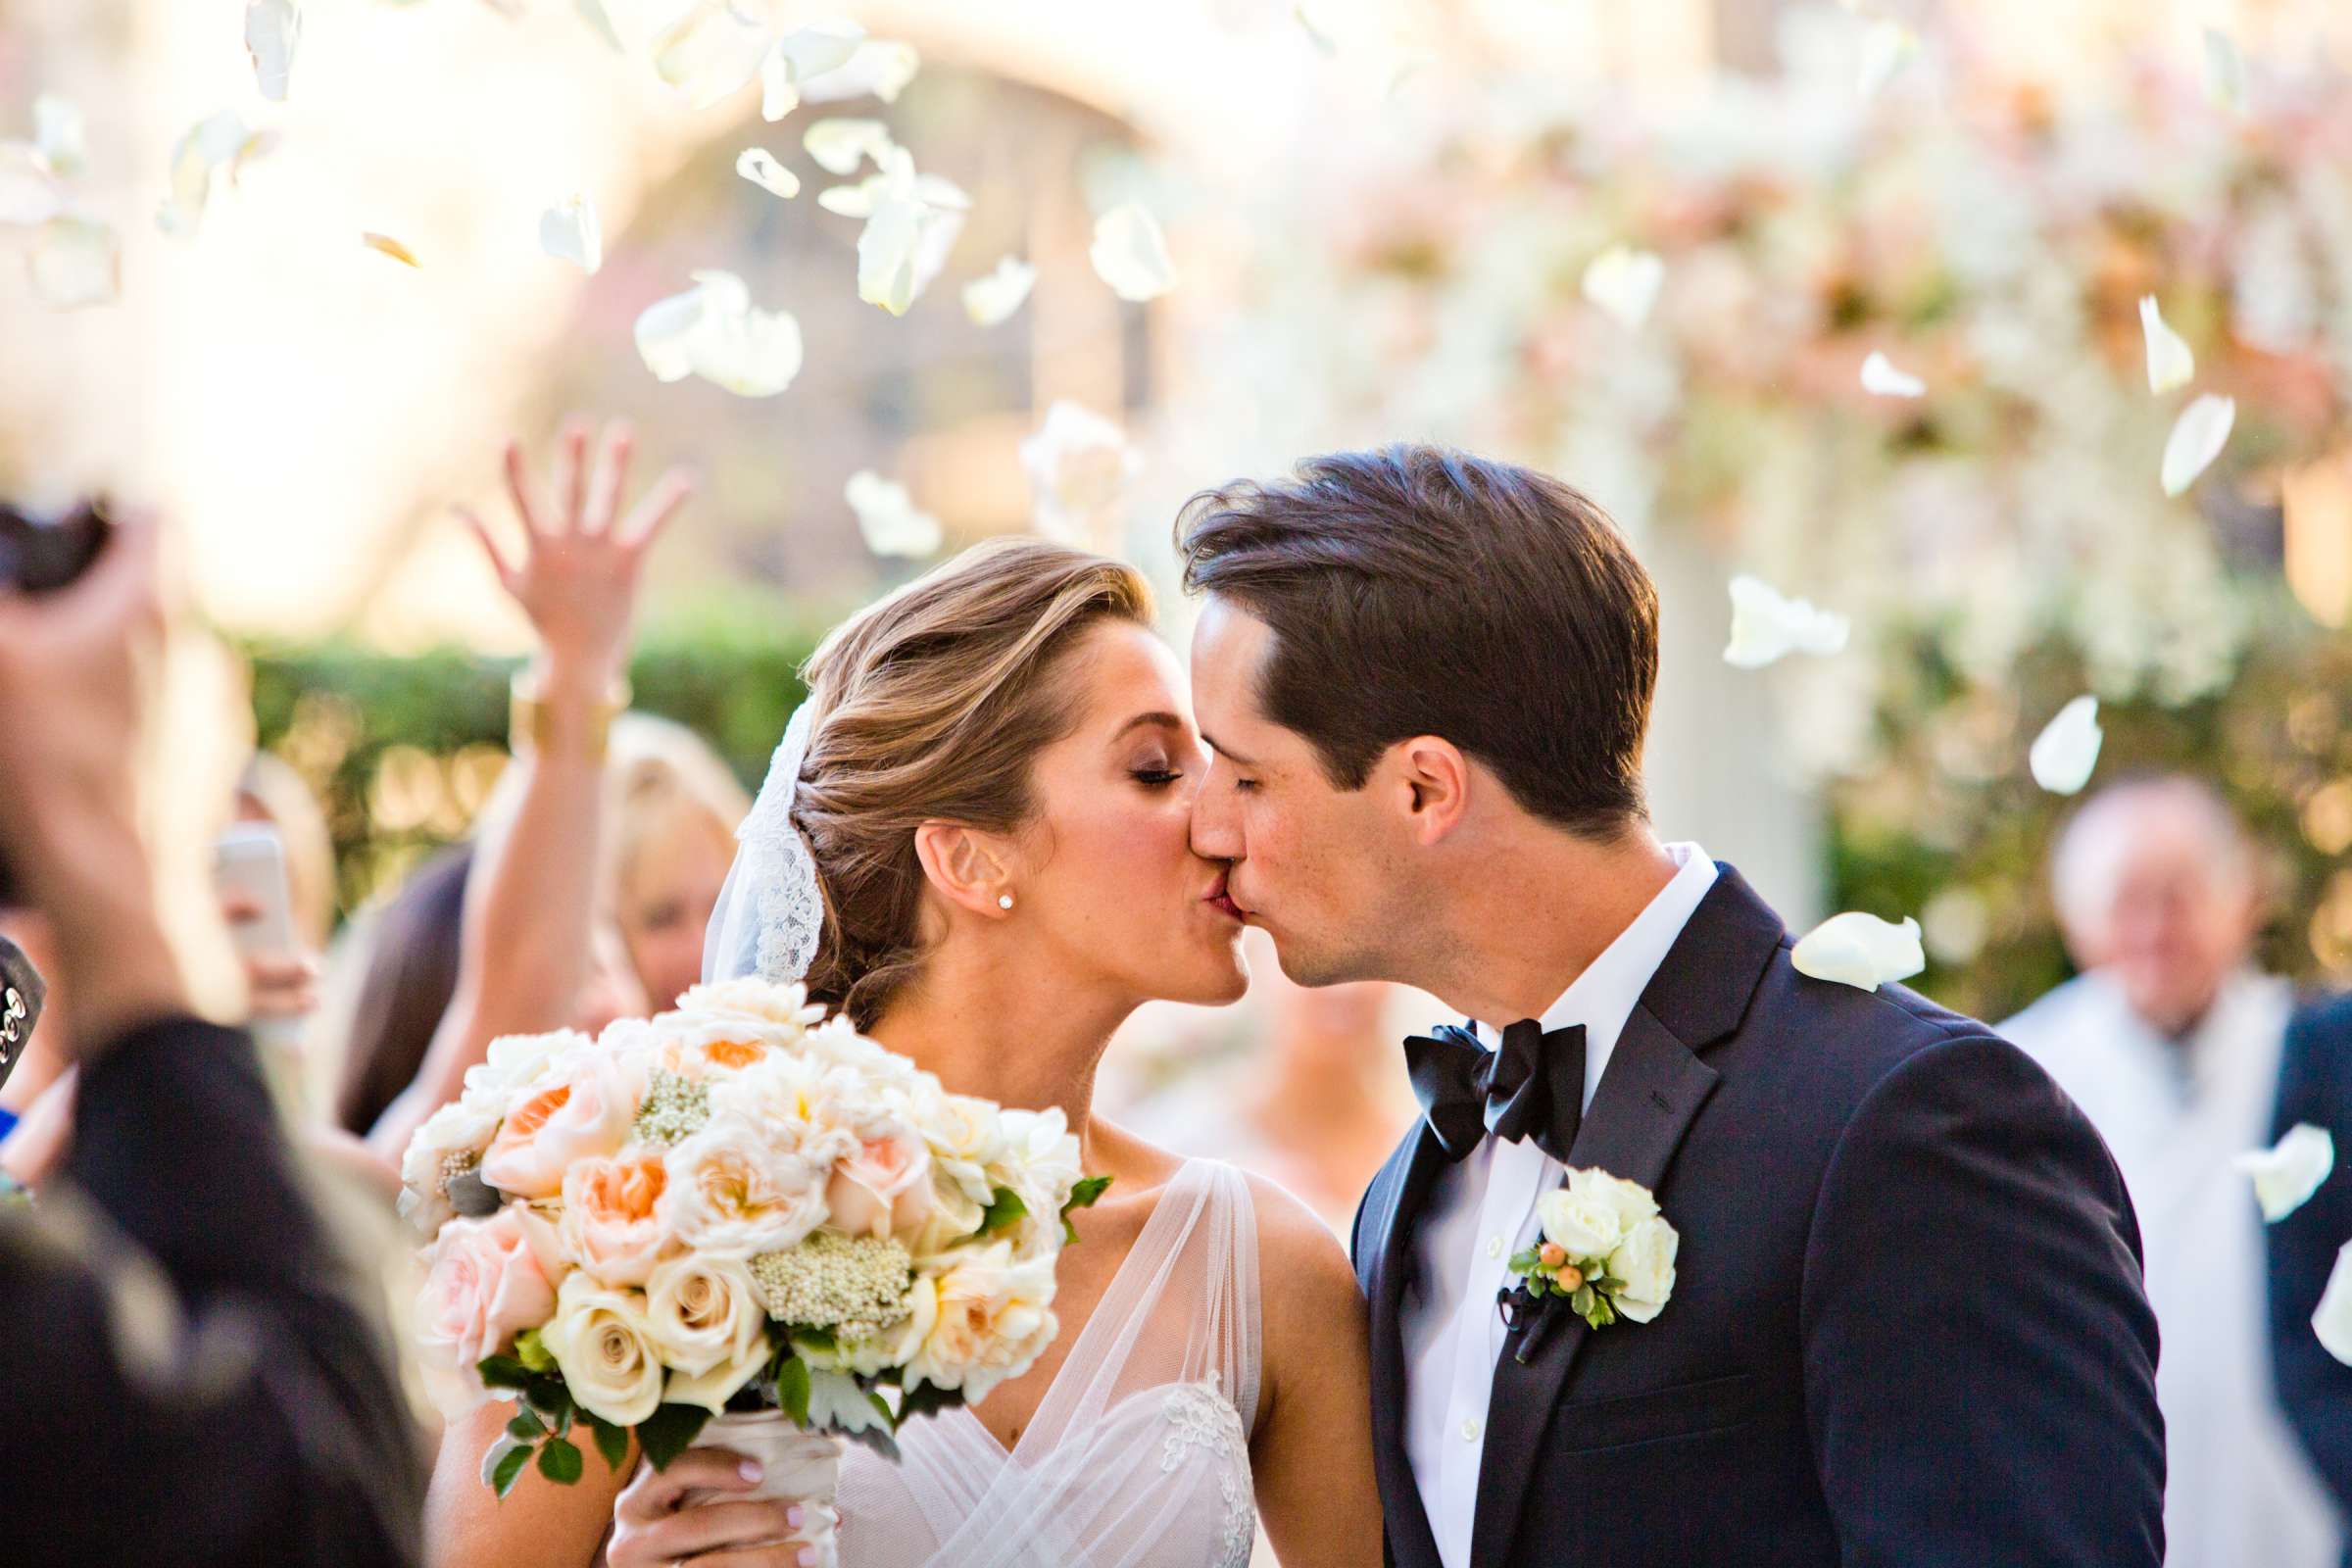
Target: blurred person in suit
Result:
[2170, 1040]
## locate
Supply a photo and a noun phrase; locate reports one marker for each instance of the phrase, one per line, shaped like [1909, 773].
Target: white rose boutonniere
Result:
[1605, 1250]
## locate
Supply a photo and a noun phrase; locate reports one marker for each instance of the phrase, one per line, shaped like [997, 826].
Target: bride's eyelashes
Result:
[1153, 779]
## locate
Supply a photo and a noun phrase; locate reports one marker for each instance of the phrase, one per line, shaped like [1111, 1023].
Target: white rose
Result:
[995, 1318]
[513, 1060]
[706, 1322]
[752, 998]
[602, 1340]
[1578, 1223]
[739, 1188]
[1645, 1262]
[1631, 1200]
[456, 1128]
[966, 1135]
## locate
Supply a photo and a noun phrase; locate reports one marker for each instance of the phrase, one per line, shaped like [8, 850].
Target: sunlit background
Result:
[1381, 213]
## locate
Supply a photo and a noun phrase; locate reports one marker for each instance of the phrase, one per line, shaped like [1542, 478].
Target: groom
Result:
[1906, 1323]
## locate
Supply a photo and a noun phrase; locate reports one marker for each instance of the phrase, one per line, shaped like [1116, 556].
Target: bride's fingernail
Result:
[793, 1518]
[750, 1471]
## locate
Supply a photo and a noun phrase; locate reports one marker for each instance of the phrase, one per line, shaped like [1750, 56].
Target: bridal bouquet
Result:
[738, 1209]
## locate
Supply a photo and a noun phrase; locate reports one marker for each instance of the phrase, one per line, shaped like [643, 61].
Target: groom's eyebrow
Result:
[1226, 751]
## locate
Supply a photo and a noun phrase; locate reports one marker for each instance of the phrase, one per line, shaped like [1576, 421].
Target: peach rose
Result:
[582, 1106]
[610, 1225]
[736, 1189]
[883, 1185]
[995, 1318]
[486, 1281]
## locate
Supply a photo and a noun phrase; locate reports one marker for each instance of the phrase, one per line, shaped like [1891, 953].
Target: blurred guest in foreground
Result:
[2315, 1086]
[2169, 1041]
[186, 1375]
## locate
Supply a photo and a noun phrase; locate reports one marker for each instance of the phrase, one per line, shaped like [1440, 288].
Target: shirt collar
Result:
[1603, 998]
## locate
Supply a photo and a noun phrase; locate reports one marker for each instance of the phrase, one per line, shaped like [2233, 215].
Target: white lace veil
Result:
[772, 912]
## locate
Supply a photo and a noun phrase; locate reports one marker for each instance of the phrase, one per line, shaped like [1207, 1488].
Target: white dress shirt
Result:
[2175, 1115]
[1483, 1209]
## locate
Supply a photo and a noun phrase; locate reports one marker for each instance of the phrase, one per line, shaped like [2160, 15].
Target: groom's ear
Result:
[967, 867]
[1431, 780]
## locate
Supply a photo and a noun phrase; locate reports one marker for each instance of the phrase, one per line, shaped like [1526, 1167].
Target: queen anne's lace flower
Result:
[856, 1287]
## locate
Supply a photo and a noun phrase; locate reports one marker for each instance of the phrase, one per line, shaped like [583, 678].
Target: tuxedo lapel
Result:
[1393, 1208]
[1648, 1095]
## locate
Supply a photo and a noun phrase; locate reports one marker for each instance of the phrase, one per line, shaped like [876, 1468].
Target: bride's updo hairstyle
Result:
[932, 705]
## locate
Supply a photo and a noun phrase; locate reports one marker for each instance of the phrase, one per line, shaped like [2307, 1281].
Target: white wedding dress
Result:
[1139, 1457]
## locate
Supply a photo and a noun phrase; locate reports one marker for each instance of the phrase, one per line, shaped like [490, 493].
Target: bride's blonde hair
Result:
[931, 705]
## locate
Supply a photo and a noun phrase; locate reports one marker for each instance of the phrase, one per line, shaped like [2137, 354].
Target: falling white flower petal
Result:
[2063, 755]
[1322, 40]
[759, 166]
[1079, 465]
[272, 31]
[1625, 282]
[880, 69]
[840, 145]
[28, 192]
[2197, 438]
[2171, 365]
[993, 299]
[57, 130]
[2291, 1170]
[2333, 1322]
[222, 142]
[391, 247]
[1861, 950]
[886, 250]
[1880, 376]
[911, 226]
[2224, 72]
[570, 233]
[713, 331]
[1131, 254]
[851, 201]
[76, 262]
[889, 519]
[1886, 46]
[800, 58]
[600, 23]
[711, 53]
[1767, 625]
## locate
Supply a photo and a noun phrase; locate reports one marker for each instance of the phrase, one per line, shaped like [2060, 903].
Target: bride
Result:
[993, 776]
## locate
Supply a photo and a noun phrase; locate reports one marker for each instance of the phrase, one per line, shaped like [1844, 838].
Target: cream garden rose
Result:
[704, 1317]
[580, 1105]
[602, 1341]
[995, 1318]
[735, 1190]
[612, 1226]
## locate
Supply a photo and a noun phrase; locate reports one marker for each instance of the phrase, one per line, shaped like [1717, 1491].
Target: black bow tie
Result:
[1534, 1085]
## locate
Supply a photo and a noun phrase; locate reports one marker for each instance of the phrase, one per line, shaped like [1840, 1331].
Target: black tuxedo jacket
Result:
[1907, 1325]
[2314, 1085]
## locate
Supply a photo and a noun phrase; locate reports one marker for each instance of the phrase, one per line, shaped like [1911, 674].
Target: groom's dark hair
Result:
[1416, 590]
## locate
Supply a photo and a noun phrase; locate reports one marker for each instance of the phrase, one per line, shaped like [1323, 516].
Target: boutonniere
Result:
[1606, 1251]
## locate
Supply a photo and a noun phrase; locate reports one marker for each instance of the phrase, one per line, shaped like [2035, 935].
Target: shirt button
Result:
[1494, 1247]
[1470, 1430]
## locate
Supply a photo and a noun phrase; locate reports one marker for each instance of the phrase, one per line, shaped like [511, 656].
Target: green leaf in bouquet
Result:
[552, 1401]
[669, 1432]
[1004, 1212]
[792, 1390]
[560, 1461]
[1583, 1300]
[1082, 1195]
[526, 1427]
[532, 1351]
[922, 1398]
[503, 1372]
[503, 1463]
[822, 1341]
[611, 1441]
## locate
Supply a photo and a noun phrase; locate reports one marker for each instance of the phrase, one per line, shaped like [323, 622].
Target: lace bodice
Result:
[1139, 1457]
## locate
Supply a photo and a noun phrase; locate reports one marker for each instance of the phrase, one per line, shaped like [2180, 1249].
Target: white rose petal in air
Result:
[1861, 950]
[711, 53]
[76, 262]
[1886, 46]
[272, 31]
[908, 234]
[222, 140]
[713, 331]
[1767, 625]
[1131, 254]
[600, 23]
[2289, 1172]
[570, 233]
[888, 518]
[993, 299]
[759, 166]
[2063, 755]
[1625, 282]
[800, 58]
[2170, 366]
[1079, 465]
[880, 69]
[2197, 438]
[1880, 376]
[840, 145]
[2225, 73]
[2333, 1322]
[57, 130]
[28, 192]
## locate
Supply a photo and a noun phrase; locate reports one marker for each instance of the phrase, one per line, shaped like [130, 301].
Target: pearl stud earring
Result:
[1003, 901]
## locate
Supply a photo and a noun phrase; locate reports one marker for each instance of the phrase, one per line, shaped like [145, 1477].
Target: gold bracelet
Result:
[529, 721]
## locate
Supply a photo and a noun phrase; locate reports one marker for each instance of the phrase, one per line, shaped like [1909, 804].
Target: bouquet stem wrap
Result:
[800, 1466]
